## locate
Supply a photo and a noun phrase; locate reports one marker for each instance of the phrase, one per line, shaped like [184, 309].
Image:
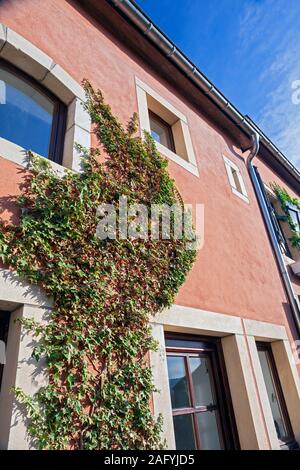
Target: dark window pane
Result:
[208, 429]
[202, 381]
[161, 131]
[295, 216]
[178, 382]
[272, 394]
[184, 432]
[25, 114]
[182, 343]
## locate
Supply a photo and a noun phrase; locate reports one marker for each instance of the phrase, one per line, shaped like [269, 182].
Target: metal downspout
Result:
[266, 216]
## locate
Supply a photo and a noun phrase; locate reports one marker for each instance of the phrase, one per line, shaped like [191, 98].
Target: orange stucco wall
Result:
[235, 272]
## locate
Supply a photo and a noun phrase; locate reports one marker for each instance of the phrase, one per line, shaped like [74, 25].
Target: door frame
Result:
[212, 349]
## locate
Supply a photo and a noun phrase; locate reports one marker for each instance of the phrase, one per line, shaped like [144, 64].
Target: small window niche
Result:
[235, 179]
[161, 131]
[167, 125]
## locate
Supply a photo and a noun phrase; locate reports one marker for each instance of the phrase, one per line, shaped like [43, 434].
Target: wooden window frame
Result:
[59, 121]
[267, 347]
[222, 400]
[166, 126]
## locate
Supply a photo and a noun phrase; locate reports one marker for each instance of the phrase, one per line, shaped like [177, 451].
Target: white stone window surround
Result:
[252, 409]
[230, 167]
[254, 421]
[180, 127]
[27, 57]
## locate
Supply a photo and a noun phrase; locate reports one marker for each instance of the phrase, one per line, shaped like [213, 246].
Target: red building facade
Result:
[227, 363]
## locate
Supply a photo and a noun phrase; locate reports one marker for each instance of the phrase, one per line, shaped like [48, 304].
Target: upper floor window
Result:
[167, 125]
[161, 131]
[30, 116]
[235, 179]
[295, 216]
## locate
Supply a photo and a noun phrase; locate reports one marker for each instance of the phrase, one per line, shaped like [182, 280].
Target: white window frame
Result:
[230, 167]
[181, 125]
[24, 55]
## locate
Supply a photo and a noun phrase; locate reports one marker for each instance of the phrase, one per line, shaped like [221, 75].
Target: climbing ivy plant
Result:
[97, 339]
[286, 200]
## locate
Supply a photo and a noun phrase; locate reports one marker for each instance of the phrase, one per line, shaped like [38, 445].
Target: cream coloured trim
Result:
[24, 301]
[270, 191]
[20, 371]
[252, 410]
[179, 127]
[245, 402]
[14, 291]
[18, 155]
[290, 382]
[194, 320]
[229, 165]
[162, 398]
[26, 56]
[264, 331]
[146, 88]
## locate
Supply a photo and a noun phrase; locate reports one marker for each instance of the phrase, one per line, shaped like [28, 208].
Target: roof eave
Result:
[145, 25]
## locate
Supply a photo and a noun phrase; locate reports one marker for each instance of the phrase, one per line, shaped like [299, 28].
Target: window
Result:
[281, 238]
[279, 220]
[30, 116]
[161, 131]
[235, 179]
[200, 408]
[168, 127]
[295, 216]
[275, 395]
[4, 322]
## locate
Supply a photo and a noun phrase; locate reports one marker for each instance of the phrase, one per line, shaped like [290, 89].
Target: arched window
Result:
[30, 116]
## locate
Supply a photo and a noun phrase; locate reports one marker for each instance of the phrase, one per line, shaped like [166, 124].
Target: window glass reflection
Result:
[201, 381]
[26, 114]
[209, 433]
[272, 394]
[178, 382]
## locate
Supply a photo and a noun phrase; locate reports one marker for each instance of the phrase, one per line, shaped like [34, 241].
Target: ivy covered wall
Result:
[97, 341]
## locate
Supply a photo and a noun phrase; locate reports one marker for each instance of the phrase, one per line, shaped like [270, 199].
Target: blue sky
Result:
[250, 49]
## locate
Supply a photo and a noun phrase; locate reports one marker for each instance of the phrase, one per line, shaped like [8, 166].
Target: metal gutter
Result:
[261, 196]
[175, 55]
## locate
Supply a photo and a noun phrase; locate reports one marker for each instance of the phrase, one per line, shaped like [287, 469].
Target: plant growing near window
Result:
[97, 341]
[287, 202]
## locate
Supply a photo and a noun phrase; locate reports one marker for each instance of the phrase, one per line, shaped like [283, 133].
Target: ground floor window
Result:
[4, 322]
[275, 394]
[202, 413]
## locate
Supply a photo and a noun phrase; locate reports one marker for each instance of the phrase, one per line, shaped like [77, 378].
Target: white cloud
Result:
[269, 34]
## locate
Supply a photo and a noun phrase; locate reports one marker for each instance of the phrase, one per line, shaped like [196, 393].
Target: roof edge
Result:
[146, 26]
